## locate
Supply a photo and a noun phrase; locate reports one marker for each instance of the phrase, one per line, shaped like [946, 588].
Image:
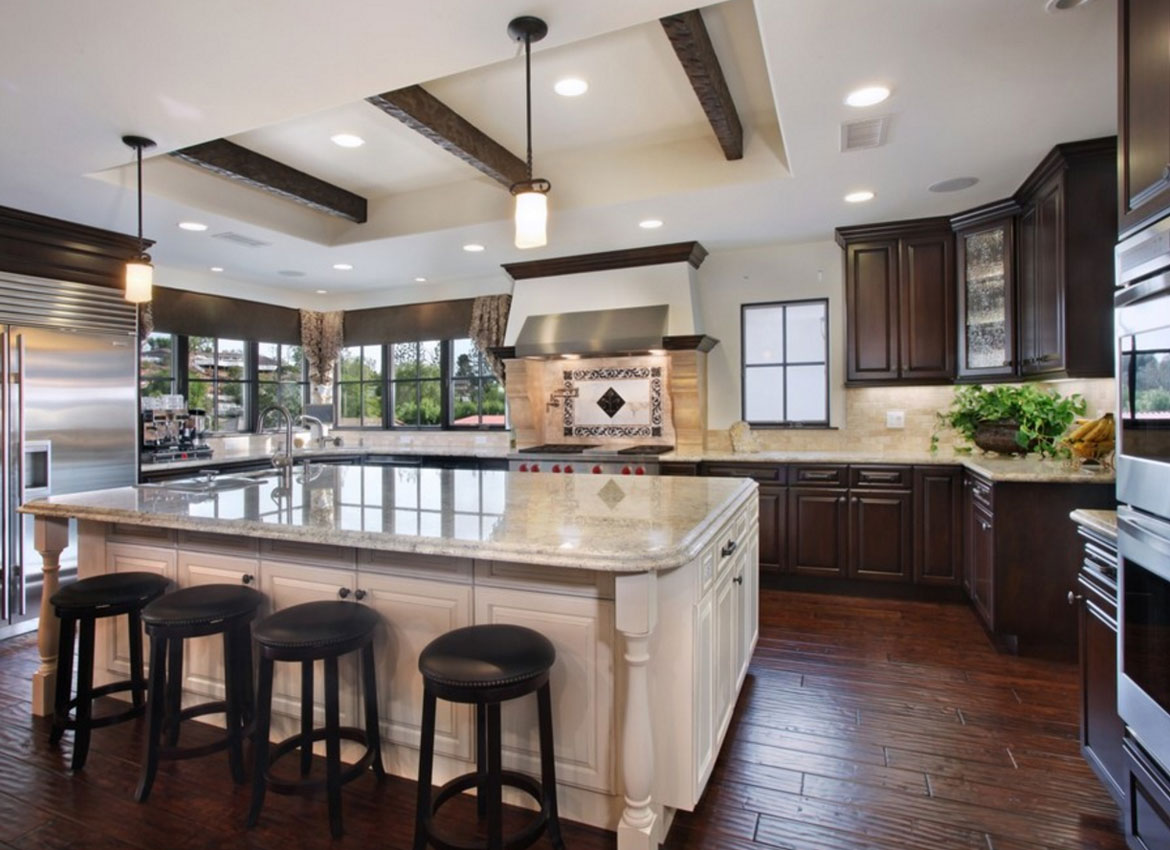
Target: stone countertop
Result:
[243, 455]
[994, 468]
[598, 522]
[1102, 522]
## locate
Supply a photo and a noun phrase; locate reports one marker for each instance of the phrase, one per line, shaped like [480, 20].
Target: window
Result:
[281, 376]
[416, 384]
[477, 399]
[217, 377]
[786, 362]
[359, 387]
[156, 365]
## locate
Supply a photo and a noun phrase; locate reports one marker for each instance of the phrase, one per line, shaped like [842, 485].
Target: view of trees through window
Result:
[416, 383]
[281, 377]
[476, 396]
[359, 387]
[216, 379]
[156, 365]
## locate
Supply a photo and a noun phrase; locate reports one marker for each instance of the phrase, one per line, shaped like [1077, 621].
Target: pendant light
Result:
[531, 195]
[139, 271]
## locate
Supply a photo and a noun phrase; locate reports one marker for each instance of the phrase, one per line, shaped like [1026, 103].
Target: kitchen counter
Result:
[226, 456]
[1102, 522]
[1026, 469]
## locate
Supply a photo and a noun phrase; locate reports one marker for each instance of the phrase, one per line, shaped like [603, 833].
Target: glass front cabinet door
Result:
[986, 331]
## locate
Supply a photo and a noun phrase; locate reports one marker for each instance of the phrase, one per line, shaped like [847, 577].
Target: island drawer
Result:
[437, 567]
[317, 554]
[880, 477]
[121, 532]
[759, 472]
[539, 578]
[818, 476]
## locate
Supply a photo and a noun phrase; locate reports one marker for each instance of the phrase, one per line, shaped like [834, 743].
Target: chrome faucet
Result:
[306, 419]
[281, 460]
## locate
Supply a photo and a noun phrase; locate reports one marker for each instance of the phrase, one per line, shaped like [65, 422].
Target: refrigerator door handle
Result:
[18, 524]
[5, 507]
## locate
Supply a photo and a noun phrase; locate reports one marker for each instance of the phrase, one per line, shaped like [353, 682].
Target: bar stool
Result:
[83, 603]
[307, 633]
[487, 665]
[208, 609]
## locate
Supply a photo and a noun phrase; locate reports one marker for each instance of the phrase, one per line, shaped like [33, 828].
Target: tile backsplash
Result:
[622, 399]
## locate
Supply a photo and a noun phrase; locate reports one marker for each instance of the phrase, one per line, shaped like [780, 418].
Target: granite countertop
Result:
[243, 455]
[1102, 522]
[994, 468]
[597, 522]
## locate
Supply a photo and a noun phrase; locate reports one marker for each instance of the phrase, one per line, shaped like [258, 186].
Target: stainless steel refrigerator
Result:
[68, 416]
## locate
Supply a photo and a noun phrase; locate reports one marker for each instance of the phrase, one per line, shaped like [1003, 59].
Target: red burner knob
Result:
[556, 467]
[523, 467]
[625, 470]
[568, 468]
[597, 470]
[536, 467]
[639, 471]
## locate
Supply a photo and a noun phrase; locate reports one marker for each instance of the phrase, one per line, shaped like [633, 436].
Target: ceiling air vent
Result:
[240, 239]
[867, 133]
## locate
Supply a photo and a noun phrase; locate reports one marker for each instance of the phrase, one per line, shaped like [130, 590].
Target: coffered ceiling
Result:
[981, 88]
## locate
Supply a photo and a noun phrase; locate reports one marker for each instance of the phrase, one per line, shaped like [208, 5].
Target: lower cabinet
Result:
[114, 637]
[879, 535]
[938, 525]
[817, 532]
[773, 522]
[1147, 809]
[980, 565]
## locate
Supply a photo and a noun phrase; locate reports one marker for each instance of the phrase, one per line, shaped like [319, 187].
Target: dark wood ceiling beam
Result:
[227, 159]
[692, 44]
[423, 112]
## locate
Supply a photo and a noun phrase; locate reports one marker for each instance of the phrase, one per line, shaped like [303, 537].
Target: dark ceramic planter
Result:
[999, 437]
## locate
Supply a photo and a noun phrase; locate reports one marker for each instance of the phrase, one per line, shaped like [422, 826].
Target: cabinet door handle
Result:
[1006, 363]
[343, 592]
[879, 476]
[359, 595]
[729, 548]
[738, 579]
[1047, 358]
[818, 476]
[247, 578]
[1074, 597]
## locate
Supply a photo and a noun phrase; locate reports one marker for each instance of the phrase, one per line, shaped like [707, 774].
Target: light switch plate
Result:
[895, 419]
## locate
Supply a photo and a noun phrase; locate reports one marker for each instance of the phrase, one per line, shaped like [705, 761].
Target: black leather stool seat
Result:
[111, 590]
[315, 626]
[488, 656]
[207, 604]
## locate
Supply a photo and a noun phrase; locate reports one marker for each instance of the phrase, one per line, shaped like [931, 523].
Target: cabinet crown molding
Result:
[985, 214]
[1061, 157]
[891, 230]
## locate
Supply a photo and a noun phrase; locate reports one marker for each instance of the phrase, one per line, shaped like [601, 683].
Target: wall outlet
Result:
[895, 419]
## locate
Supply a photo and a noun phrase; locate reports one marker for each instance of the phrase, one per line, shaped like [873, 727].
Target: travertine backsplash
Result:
[864, 427]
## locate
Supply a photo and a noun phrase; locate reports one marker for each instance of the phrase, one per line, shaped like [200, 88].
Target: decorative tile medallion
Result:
[628, 397]
[611, 402]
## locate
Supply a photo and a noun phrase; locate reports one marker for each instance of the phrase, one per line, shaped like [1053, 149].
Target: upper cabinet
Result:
[899, 294]
[1143, 100]
[1014, 289]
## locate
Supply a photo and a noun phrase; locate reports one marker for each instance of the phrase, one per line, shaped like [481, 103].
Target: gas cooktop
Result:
[556, 449]
[646, 450]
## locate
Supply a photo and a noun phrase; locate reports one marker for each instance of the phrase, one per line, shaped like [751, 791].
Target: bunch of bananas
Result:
[1092, 439]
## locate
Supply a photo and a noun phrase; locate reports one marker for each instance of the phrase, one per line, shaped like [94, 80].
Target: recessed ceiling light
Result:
[867, 96]
[473, 247]
[955, 184]
[217, 269]
[197, 226]
[322, 291]
[347, 140]
[343, 267]
[859, 197]
[650, 223]
[571, 87]
[420, 280]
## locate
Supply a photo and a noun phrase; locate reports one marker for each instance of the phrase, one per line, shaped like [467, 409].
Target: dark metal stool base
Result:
[515, 841]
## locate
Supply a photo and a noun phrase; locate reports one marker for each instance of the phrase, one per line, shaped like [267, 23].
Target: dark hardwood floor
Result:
[864, 725]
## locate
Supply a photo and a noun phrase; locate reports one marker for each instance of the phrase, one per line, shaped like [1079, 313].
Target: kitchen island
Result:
[646, 586]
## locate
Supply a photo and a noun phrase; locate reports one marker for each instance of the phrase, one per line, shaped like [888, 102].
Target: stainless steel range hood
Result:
[593, 332]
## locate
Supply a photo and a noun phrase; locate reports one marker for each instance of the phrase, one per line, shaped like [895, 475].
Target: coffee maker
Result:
[173, 432]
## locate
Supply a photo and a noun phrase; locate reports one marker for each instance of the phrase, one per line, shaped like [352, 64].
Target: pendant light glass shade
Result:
[139, 280]
[531, 218]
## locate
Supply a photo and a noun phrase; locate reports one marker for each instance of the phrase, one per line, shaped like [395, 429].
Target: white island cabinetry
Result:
[647, 588]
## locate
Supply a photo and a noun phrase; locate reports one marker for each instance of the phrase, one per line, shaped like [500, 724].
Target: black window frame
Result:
[483, 373]
[174, 376]
[362, 383]
[248, 382]
[784, 363]
[302, 382]
[442, 381]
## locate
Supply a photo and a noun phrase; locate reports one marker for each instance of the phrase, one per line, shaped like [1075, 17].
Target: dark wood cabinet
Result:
[981, 570]
[1143, 100]
[900, 296]
[773, 519]
[938, 525]
[880, 524]
[1147, 797]
[1102, 730]
[817, 531]
[985, 250]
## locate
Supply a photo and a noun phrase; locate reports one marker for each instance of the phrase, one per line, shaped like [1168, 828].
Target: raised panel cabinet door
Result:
[705, 693]
[987, 301]
[983, 567]
[414, 612]
[1144, 107]
[817, 539]
[1026, 289]
[871, 295]
[1048, 283]
[938, 525]
[286, 585]
[749, 610]
[927, 304]
[879, 536]
[727, 641]
[773, 514]
[111, 635]
[1102, 730]
[582, 681]
[203, 663]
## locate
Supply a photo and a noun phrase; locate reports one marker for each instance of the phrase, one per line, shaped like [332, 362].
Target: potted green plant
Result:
[1010, 419]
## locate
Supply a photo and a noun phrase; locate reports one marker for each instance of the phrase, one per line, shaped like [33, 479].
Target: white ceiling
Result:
[981, 88]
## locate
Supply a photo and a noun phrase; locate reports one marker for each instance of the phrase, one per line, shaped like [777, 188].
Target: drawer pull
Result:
[359, 595]
[738, 580]
[818, 476]
[729, 548]
[1074, 597]
[247, 578]
[343, 592]
[879, 476]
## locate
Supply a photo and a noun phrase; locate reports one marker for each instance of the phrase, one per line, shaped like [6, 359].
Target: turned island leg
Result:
[637, 614]
[51, 536]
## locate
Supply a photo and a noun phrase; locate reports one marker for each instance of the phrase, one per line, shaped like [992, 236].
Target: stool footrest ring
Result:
[514, 841]
[304, 786]
[68, 722]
